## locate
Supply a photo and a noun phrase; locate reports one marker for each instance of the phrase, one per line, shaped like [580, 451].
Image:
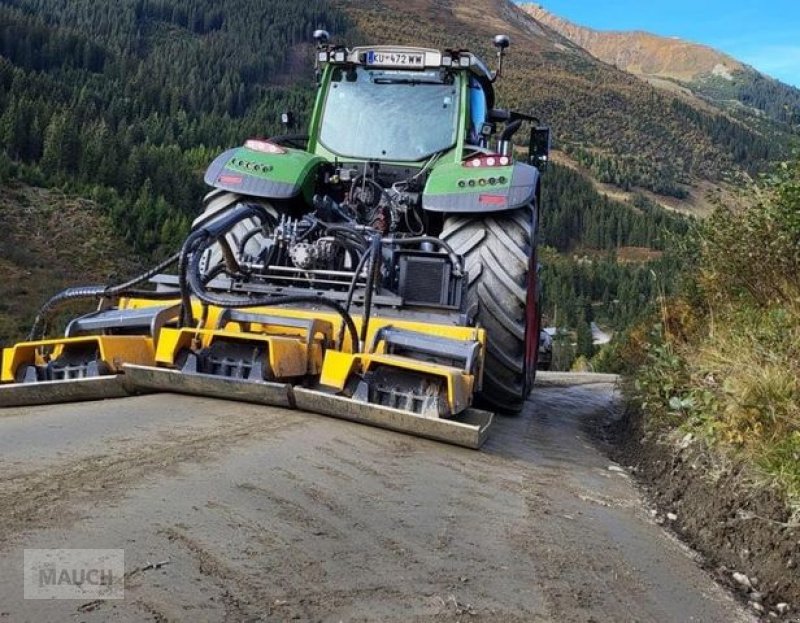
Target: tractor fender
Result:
[270, 175]
[454, 188]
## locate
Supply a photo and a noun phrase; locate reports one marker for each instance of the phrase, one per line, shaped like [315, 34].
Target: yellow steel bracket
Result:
[287, 356]
[338, 367]
[114, 350]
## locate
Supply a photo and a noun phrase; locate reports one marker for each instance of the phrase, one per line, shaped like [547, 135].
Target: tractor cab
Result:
[399, 104]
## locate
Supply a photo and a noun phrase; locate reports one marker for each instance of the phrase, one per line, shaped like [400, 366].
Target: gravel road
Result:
[266, 514]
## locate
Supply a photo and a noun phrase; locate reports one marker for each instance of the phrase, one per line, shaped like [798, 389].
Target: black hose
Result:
[213, 273]
[70, 294]
[196, 284]
[351, 290]
[346, 232]
[192, 281]
[213, 227]
[186, 318]
[250, 235]
[99, 292]
[213, 230]
[146, 276]
[372, 278]
[348, 245]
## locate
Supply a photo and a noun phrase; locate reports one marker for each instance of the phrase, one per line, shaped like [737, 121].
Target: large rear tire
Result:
[218, 201]
[499, 253]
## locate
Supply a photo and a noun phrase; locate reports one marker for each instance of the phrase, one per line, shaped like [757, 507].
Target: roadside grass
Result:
[731, 392]
[722, 362]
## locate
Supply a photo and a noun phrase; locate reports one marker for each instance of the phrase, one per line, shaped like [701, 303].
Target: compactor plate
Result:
[165, 380]
[54, 392]
[469, 428]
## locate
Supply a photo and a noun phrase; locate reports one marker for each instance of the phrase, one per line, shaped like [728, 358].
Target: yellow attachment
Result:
[287, 356]
[293, 352]
[338, 367]
[114, 350]
[376, 323]
[453, 332]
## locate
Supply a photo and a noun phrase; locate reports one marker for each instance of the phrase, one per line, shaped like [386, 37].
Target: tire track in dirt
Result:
[36, 499]
[282, 516]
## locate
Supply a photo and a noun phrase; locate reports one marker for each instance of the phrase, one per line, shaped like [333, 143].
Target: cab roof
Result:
[410, 58]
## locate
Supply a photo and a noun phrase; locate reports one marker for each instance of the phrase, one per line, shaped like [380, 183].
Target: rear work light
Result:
[488, 161]
[265, 147]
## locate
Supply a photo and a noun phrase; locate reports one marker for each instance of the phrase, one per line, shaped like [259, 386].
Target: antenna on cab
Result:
[501, 42]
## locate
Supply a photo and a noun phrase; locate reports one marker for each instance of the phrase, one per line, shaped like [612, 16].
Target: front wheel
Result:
[502, 297]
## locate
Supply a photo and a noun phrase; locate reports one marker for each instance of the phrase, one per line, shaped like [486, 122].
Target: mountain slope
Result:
[152, 90]
[642, 53]
[669, 62]
[49, 241]
[139, 96]
[623, 130]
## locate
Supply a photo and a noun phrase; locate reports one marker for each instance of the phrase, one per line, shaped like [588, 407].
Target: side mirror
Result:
[539, 148]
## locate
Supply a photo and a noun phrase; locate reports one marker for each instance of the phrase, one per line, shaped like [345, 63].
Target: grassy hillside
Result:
[129, 101]
[722, 362]
[49, 241]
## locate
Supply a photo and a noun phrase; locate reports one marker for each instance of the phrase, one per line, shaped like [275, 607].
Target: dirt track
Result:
[265, 514]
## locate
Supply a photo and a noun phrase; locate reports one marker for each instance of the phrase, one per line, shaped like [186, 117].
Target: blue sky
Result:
[763, 34]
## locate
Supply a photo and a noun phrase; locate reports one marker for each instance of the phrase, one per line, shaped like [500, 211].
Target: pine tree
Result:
[585, 341]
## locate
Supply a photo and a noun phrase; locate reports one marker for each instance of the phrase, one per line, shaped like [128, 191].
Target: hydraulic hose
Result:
[247, 238]
[212, 230]
[191, 279]
[351, 290]
[194, 239]
[372, 279]
[195, 282]
[146, 276]
[346, 232]
[65, 296]
[99, 292]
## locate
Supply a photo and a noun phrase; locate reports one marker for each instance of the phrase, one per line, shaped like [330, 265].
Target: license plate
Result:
[396, 59]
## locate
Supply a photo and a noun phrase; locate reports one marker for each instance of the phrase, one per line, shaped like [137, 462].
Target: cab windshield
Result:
[380, 114]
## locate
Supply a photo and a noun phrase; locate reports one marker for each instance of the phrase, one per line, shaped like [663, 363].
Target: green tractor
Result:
[381, 267]
[405, 142]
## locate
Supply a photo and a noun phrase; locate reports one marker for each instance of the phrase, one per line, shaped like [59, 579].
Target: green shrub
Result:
[724, 360]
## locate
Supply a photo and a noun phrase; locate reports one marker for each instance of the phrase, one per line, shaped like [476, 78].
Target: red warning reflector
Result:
[493, 200]
[230, 179]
